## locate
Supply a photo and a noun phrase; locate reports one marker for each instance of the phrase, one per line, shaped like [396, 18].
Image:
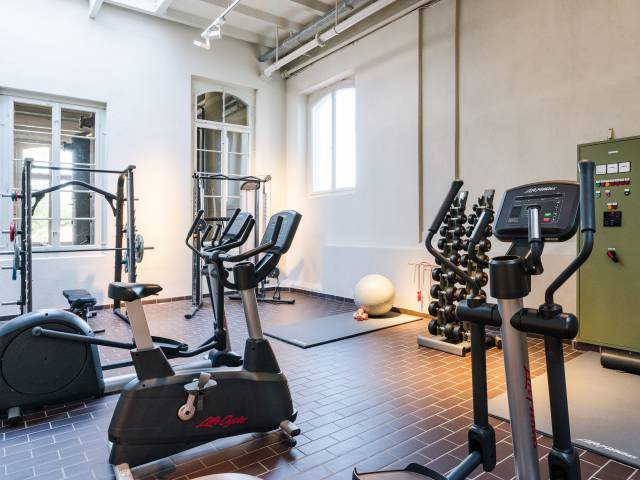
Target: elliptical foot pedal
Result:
[122, 472]
[14, 415]
[290, 430]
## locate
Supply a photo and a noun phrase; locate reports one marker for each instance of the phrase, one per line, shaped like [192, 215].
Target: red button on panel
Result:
[546, 220]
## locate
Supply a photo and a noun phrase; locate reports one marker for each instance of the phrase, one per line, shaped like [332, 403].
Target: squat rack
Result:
[23, 253]
[247, 183]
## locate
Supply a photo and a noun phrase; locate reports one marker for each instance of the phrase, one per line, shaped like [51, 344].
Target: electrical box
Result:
[608, 283]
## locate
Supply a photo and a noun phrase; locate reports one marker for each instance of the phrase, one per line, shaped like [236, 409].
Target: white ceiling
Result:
[251, 20]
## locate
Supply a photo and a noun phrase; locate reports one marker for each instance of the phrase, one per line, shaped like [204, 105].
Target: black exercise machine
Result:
[164, 412]
[528, 217]
[38, 369]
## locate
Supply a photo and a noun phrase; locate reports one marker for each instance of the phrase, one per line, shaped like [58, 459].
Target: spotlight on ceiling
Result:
[214, 31]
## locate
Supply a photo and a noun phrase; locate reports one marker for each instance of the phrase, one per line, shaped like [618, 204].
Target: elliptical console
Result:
[558, 202]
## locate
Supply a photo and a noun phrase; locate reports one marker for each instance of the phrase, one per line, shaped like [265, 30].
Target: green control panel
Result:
[608, 283]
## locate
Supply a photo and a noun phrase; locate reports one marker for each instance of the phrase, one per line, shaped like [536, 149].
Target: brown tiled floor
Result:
[377, 401]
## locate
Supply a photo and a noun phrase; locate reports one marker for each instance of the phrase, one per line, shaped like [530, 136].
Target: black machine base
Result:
[413, 471]
[225, 359]
[620, 360]
[242, 402]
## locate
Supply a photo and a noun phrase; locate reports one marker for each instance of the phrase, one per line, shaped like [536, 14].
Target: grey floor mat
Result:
[311, 332]
[603, 407]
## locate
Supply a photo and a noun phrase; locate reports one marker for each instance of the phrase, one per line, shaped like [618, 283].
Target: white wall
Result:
[373, 229]
[536, 79]
[141, 67]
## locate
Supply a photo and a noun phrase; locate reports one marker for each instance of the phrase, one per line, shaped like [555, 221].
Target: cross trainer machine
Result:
[164, 412]
[235, 234]
[36, 370]
[528, 217]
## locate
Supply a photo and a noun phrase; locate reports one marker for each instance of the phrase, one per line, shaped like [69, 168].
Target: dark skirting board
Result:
[603, 408]
[311, 332]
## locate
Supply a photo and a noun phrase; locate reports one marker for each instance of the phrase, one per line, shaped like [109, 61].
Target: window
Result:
[58, 135]
[332, 142]
[222, 145]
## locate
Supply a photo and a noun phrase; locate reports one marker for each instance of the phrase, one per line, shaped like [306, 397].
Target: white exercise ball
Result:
[375, 293]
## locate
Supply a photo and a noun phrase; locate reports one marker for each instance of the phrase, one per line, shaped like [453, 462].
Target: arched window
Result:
[332, 139]
[222, 145]
[222, 107]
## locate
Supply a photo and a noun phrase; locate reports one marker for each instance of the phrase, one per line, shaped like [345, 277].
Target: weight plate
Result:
[139, 253]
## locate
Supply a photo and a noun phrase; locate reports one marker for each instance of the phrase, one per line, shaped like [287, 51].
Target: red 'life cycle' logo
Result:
[222, 422]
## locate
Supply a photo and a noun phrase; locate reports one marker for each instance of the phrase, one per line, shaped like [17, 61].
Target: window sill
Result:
[329, 193]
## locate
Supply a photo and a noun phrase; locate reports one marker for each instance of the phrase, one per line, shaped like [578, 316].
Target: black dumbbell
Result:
[432, 326]
[484, 245]
[473, 218]
[436, 273]
[433, 309]
[450, 313]
[454, 258]
[481, 278]
[450, 294]
[464, 260]
[434, 290]
[442, 242]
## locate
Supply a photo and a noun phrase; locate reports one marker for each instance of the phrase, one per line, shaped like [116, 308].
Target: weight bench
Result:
[81, 302]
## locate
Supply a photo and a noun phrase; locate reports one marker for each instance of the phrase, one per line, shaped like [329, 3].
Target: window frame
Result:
[9, 162]
[312, 100]
[224, 128]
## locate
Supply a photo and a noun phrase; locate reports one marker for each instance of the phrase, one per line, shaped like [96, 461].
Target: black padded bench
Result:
[81, 302]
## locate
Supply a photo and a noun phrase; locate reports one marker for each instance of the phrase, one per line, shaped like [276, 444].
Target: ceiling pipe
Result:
[320, 39]
[310, 31]
[421, 4]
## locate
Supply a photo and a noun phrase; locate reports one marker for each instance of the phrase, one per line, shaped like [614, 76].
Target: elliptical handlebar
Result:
[476, 236]
[456, 185]
[258, 250]
[587, 228]
[192, 230]
[205, 253]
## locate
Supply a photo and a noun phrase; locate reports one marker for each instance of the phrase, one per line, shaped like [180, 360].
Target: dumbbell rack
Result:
[445, 332]
[475, 271]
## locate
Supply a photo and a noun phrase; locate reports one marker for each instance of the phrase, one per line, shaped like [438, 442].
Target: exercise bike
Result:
[37, 370]
[528, 217]
[164, 412]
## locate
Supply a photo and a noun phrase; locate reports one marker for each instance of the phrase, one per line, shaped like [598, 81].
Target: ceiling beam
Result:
[261, 15]
[163, 5]
[94, 7]
[314, 6]
[227, 30]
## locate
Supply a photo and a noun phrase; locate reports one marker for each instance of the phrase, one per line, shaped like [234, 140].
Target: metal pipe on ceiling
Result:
[320, 39]
[287, 73]
[311, 30]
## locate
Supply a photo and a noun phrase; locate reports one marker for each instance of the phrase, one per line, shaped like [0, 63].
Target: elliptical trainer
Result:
[528, 217]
